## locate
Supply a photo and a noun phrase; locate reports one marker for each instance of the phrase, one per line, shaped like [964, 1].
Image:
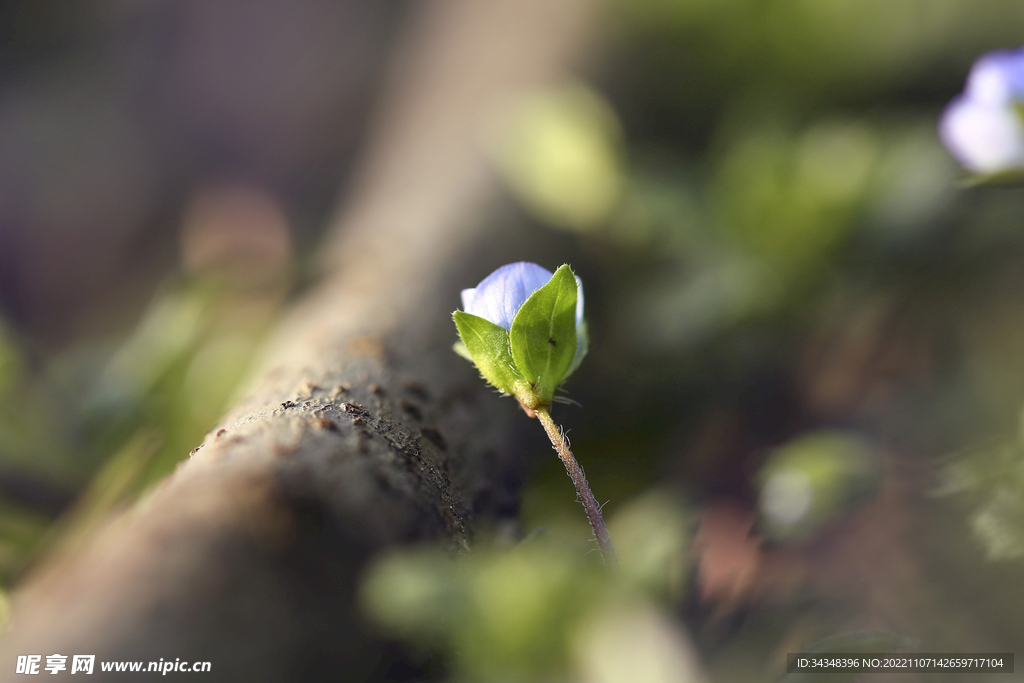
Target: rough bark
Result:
[365, 430]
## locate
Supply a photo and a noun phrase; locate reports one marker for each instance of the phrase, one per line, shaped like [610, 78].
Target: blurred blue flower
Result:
[983, 127]
[500, 295]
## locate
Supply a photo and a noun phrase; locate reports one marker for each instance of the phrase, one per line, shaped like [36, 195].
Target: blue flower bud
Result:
[523, 328]
[983, 127]
[500, 295]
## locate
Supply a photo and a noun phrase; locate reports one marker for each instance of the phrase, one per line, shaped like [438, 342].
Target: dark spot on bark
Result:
[433, 436]
[412, 410]
[288, 404]
[324, 423]
[354, 408]
[417, 390]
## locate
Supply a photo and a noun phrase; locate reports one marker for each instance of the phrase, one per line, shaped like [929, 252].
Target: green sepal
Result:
[487, 346]
[543, 336]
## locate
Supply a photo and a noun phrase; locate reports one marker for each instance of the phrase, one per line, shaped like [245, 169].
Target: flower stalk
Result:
[579, 479]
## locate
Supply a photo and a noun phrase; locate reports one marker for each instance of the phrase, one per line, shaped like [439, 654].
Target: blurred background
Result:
[803, 400]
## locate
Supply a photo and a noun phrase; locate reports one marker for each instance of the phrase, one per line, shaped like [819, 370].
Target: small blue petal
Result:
[579, 302]
[981, 127]
[984, 138]
[500, 295]
[997, 77]
[467, 299]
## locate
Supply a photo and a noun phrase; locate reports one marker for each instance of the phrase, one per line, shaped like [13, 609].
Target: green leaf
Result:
[488, 348]
[543, 335]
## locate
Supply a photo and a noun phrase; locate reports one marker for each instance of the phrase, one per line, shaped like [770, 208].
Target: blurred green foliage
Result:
[111, 430]
[812, 480]
[989, 482]
[563, 155]
[546, 607]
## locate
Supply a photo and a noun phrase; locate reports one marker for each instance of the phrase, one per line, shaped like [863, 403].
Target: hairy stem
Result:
[582, 487]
